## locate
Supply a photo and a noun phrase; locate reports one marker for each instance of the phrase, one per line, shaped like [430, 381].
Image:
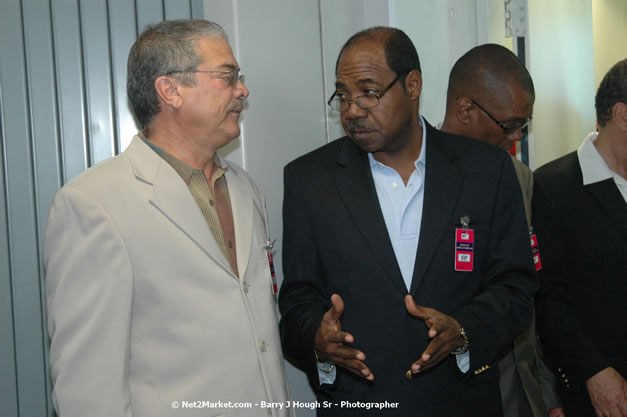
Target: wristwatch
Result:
[465, 346]
[321, 365]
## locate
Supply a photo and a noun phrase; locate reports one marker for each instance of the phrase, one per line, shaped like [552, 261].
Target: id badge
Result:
[535, 252]
[464, 245]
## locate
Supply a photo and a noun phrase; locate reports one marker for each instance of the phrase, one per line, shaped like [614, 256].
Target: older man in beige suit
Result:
[160, 292]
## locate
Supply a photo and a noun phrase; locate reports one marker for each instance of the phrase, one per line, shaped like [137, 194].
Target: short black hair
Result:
[612, 90]
[483, 70]
[400, 53]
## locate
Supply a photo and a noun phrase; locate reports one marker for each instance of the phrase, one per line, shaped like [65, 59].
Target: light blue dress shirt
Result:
[401, 205]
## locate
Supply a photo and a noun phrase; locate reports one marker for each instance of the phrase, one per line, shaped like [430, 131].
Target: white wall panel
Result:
[122, 18]
[561, 62]
[70, 87]
[99, 97]
[148, 12]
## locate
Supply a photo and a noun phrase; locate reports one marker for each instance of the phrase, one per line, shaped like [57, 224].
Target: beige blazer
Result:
[145, 316]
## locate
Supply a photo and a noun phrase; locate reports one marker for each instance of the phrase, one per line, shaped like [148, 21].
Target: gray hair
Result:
[161, 48]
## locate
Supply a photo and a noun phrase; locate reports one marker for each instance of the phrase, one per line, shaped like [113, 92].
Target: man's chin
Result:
[365, 144]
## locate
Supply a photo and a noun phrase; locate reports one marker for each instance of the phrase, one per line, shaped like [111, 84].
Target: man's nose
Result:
[516, 135]
[241, 91]
[354, 111]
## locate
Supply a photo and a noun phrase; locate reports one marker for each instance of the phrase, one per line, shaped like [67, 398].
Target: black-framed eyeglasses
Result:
[231, 77]
[341, 103]
[507, 130]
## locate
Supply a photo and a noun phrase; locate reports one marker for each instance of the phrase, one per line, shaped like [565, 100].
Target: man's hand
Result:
[444, 332]
[330, 339]
[556, 412]
[608, 393]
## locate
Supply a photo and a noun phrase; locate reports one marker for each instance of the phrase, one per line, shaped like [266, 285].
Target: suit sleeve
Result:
[571, 347]
[302, 299]
[504, 307]
[89, 293]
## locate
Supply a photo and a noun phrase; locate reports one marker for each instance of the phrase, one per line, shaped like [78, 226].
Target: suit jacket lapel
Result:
[242, 208]
[610, 199]
[605, 193]
[172, 198]
[443, 182]
[356, 188]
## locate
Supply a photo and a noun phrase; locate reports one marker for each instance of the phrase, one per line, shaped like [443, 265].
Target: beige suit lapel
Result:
[172, 198]
[241, 193]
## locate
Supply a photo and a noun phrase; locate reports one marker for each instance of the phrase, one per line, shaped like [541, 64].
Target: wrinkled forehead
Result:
[362, 61]
[362, 52]
[216, 52]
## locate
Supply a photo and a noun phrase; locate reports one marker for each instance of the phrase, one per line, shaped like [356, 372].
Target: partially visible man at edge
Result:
[580, 216]
[159, 289]
[378, 306]
[490, 98]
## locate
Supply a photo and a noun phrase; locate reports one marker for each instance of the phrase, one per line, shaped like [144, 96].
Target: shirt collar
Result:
[422, 159]
[593, 166]
[181, 168]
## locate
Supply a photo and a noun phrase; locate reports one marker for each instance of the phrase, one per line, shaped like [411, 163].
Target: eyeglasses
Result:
[507, 130]
[340, 101]
[230, 77]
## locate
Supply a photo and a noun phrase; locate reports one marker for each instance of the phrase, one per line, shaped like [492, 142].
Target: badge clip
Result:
[269, 245]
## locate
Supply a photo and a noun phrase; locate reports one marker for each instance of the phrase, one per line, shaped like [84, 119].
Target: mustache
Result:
[355, 125]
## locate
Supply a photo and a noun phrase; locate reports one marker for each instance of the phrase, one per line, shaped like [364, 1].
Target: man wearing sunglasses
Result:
[406, 267]
[490, 98]
[160, 293]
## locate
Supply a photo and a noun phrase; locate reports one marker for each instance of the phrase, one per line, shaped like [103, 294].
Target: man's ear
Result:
[168, 92]
[463, 105]
[413, 84]
[619, 115]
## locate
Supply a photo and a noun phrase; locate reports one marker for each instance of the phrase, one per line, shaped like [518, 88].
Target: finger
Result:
[340, 337]
[346, 353]
[623, 400]
[357, 367]
[614, 411]
[415, 310]
[433, 354]
[600, 413]
[337, 307]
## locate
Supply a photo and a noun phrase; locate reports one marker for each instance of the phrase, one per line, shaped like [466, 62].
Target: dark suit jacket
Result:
[335, 241]
[582, 304]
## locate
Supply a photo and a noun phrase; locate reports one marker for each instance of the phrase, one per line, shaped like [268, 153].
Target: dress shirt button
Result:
[245, 285]
[212, 203]
[262, 346]
[394, 185]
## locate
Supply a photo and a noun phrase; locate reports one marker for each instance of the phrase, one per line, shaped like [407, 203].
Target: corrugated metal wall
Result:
[63, 108]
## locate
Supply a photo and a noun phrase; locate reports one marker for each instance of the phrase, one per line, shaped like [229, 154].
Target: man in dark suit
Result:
[580, 216]
[406, 252]
[490, 98]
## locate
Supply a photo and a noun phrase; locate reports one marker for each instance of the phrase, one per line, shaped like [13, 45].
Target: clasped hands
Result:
[333, 344]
